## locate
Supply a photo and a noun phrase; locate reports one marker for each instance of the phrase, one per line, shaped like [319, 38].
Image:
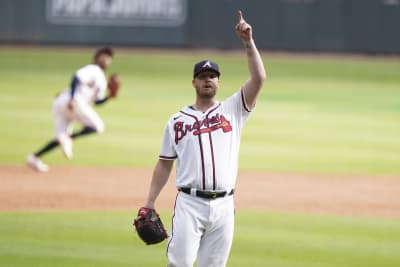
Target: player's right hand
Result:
[243, 29]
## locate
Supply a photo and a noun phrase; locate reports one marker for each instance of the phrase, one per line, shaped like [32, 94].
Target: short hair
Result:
[104, 50]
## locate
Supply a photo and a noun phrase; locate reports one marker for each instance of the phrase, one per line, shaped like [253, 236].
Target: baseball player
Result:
[88, 85]
[204, 139]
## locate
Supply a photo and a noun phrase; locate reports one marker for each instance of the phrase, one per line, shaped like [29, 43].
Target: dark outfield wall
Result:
[368, 26]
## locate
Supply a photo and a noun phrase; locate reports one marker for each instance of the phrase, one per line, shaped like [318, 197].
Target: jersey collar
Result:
[190, 109]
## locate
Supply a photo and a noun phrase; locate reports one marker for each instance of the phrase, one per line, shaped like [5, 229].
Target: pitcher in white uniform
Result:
[204, 139]
[88, 86]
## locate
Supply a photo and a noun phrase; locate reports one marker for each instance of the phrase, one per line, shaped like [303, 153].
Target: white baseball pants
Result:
[82, 112]
[202, 229]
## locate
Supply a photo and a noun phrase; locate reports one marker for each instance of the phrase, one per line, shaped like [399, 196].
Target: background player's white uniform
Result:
[206, 146]
[92, 87]
[89, 85]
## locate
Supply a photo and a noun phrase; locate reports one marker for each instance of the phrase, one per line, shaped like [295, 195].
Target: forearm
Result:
[160, 177]
[253, 85]
[257, 73]
[255, 64]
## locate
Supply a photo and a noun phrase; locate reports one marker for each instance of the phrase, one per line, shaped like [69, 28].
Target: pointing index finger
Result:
[240, 16]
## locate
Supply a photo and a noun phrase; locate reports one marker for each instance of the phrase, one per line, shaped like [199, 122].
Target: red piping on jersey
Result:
[172, 225]
[167, 157]
[212, 150]
[244, 101]
[212, 158]
[201, 150]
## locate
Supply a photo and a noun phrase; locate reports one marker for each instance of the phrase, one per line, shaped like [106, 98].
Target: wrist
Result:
[248, 43]
[149, 205]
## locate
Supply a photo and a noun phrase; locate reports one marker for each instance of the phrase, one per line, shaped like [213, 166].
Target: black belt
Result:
[207, 194]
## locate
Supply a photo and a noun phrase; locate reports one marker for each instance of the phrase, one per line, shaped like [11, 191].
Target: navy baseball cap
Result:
[204, 66]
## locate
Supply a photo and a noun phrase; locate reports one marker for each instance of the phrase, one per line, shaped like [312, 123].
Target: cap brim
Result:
[207, 69]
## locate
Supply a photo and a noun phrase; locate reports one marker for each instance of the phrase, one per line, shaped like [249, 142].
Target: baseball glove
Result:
[114, 84]
[149, 226]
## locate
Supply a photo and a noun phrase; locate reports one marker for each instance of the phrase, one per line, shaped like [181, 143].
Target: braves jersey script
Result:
[93, 83]
[206, 144]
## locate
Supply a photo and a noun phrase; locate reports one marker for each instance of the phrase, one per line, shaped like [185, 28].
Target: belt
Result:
[206, 194]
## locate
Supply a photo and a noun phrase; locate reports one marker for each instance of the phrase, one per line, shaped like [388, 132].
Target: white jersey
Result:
[206, 144]
[92, 87]
[93, 84]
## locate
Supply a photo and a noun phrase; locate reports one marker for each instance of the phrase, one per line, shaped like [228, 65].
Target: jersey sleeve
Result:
[93, 76]
[86, 74]
[244, 103]
[236, 104]
[167, 151]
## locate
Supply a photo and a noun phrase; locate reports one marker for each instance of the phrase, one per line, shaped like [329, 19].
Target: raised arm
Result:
[160, 177]
[252, 86]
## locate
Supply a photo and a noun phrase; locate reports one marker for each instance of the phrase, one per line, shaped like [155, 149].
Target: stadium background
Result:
[357, 26]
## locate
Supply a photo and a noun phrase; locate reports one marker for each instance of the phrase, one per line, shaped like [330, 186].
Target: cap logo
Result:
[207, 65]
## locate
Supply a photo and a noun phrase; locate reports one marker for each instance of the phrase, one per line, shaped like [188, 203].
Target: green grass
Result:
[262, 239]
[319, 115]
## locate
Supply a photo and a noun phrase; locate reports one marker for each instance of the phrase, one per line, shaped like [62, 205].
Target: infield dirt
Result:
[91, 188]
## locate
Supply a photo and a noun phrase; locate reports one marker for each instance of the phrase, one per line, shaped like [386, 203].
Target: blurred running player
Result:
[88, 86]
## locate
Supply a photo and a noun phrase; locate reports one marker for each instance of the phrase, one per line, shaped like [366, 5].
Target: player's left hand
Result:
[149, 226]
[243, 29]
